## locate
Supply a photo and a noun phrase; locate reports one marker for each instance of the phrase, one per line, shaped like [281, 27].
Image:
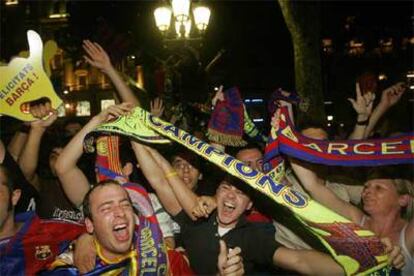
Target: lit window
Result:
[106, 103]
[61, 111]
[83, 108]
[11, 2]
[81, 79]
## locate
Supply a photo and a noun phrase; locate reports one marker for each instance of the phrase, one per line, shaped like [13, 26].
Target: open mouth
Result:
[229, 207]
[121, 232]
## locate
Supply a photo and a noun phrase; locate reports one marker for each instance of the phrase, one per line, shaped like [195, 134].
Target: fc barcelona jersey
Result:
[36, 244]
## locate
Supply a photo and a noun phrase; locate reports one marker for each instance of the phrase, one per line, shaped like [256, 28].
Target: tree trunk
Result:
[302, 20]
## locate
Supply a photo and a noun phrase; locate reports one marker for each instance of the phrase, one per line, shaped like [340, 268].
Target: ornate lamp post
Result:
[175, 22]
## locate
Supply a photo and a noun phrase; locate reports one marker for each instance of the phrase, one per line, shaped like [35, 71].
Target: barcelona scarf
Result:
[137, 262]
[358, 250]
[36, 244]
[372, 152]
[226, 122]
[280, 95]
[150, 244]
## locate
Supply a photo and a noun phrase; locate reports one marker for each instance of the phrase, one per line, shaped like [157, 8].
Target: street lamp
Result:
[182, 19]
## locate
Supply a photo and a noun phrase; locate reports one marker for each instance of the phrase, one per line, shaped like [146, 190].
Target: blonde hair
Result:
[406, 187]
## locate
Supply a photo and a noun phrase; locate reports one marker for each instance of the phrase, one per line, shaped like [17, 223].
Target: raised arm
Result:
[307, 262]
[98, 57]
[156, 178]
[186, 197]
[317, 189]
[2, 152]
[409, 234]
[16, 144]
[74, 182]
[363, 107]
[389, 97]
[29, 157]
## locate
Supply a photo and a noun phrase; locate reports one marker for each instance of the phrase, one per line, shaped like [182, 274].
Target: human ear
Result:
[127, 169]
[89, 225]
[16, 196]
[249, 205]
[403, 200]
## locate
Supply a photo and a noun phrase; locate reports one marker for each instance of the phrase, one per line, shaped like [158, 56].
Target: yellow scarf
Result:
[132, 254]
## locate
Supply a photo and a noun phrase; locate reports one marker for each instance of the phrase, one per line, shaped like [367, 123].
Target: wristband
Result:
[363, 123]
[170, 174]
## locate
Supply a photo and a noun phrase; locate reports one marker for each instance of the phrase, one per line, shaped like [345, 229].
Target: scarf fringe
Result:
[225, 139]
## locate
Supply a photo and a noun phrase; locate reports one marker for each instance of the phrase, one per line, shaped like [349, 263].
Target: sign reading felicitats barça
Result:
[24, 81]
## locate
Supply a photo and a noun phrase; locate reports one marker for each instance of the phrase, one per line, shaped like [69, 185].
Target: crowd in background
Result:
[210, 221]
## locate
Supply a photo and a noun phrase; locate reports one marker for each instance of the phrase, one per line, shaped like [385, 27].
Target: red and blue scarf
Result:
[227, 120]
[372, 152]
[108, 166]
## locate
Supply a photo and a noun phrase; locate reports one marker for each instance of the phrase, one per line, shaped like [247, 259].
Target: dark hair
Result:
[8, 181]
[86, 200]
[71, 120]
[250, 146]
[235, 150]
[309, 123]
[239, 184]
[390, 172]
[188, 156]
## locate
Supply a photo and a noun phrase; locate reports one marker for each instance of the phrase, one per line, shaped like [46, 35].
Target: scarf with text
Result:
[359, 251]
[284, 139]
[151, 257]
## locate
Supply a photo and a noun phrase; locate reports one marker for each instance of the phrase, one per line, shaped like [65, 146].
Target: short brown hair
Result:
[86, 204]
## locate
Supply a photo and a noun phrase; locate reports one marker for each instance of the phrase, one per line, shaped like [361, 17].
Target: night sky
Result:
[258, 50]
[253, 33]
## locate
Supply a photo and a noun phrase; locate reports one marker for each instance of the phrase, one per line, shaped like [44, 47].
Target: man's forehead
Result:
[102, 192]
[224, 182]
[179, 159]
[249, 153]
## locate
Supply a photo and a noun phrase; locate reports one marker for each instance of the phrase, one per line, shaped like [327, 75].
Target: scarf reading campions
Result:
[358, 250]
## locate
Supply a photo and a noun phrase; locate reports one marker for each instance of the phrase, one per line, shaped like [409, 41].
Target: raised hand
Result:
[219, 96]
[45, 113]
[275, 121]
[114, 111]
[84, 254]
[157, 107]
[392, 95]
[205, 205]
[96, 56]
[229, 262]
[395, 257]
[363, 103]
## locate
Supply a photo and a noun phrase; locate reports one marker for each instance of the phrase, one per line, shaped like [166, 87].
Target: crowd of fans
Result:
[55, 218]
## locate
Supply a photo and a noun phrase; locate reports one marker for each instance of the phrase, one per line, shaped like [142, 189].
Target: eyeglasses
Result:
[254, 164]
[181, 165]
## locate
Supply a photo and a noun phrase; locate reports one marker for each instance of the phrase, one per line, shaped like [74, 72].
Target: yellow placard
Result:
[24, 80]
